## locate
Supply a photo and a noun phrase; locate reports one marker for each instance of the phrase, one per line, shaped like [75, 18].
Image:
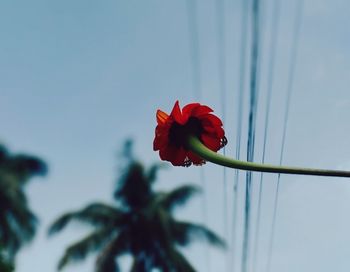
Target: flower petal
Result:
[179, 157]
[161, 138]
[173, 154]
[187, 111]
[196, 160]
[217, 132]
[162, 117]
[190, 107]
[212, 143]
[201, 110]
[213, 119]
[176, 113]
[212, 128]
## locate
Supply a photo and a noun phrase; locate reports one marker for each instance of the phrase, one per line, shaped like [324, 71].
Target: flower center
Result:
[178, 133]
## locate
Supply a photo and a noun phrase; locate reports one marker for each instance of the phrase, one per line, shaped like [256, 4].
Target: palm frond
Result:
[32, 165]
[3, 153]
[25, 167]
[133, 189]
[140, 263]
[5, 265]
[101, 214]
[127, 151]
[106, 261]
[9, 237]
[153, 171]
[18, 224]
[60, 223]
[18, 212]
[184, 232]
[81, 249]
[178, 196]
[98, 214]
[24, 222]
[179, 262]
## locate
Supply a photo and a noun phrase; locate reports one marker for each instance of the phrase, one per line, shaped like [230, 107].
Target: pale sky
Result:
[79, 77]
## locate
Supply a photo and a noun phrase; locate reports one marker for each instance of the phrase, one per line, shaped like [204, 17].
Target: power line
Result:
[194, 42]
[197, 87]
[294, 49]
[241, 87]
[205, 215]
[251, 125]
[221, 47]
[273, 46]
[220, 17]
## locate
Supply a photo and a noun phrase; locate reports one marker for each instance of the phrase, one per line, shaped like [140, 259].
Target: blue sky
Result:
[79, 77]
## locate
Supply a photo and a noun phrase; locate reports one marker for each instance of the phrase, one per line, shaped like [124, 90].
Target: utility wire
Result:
[197, 87]
[205, 215]
[194, 46]
[272, 54]
[221, 47]
[251, 125]
[294, 50]
[241, 88]
[220, 17]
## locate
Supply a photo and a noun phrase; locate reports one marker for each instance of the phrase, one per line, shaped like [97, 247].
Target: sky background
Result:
[77, 78]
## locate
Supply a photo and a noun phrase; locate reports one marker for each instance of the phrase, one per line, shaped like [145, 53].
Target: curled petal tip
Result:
[162, 117]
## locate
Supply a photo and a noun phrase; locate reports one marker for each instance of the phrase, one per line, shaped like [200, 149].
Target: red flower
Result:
[172, 130]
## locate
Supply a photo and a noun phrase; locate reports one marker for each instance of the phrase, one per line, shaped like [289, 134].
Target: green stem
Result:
[196, 146]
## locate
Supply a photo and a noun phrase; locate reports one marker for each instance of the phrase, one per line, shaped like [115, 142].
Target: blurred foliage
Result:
[17, 222]
[5, 265]
[140, 223]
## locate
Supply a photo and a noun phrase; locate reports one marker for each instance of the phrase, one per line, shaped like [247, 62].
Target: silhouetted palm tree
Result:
[17, 221]
[141, 224]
